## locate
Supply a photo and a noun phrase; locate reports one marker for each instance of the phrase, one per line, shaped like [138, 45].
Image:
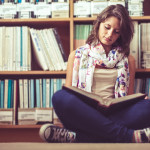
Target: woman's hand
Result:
[146, 97]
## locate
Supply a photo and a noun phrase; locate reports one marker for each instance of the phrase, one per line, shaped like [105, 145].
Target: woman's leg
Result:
[135, 117]
[88, 122]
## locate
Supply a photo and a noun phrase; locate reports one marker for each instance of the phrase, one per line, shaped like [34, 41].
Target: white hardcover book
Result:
[97, 7]
[57, 50]
[24, 48]
[44, 114]
[148, 36]
[18, 47]
[41, 88]
[1, 48]
[15, 103]
[45, 50]
[51, 49]
[29, 51]
[143, 36]
[47, 93]
[52, 65]
[134, 46]
[38, 52]
[25, 90]
[6, 116]
[9, 47]
[21, 93]
[63, 81]
[5, 93]
[14, 49]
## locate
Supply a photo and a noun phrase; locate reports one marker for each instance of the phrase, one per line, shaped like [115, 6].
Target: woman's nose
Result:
[110, 33]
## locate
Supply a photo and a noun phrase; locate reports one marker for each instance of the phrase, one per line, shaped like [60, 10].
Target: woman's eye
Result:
[106, 27]
[117, 32]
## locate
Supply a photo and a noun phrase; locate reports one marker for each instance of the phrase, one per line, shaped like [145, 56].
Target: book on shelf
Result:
[134, 45]
[35, 116]
[46, 49]
[97, 102]
[6, 116]
[37, 48]
[82, 32]
[55, 30]
[15, 49]
[42, 10]
[60, 9]
[97, 7]
[82, 9]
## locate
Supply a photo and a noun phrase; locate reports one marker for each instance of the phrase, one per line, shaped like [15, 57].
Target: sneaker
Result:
[54, 134]
[146, 138]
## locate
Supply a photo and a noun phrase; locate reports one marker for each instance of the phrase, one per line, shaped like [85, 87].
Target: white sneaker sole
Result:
[45, 131]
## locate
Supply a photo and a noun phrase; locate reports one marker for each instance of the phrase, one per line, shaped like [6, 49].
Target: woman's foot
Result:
[54, 134]
[142, 136]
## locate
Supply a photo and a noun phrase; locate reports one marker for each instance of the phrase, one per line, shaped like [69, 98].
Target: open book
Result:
[97, 102]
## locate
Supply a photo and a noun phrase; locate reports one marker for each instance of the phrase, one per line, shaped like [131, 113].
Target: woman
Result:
[101, 66]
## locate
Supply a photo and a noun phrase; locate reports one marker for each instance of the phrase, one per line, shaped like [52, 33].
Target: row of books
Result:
[81, 34]
[28, 93]
[145, 48]
[26, 116]
[15, 48]
[142, 85]
[135, 7]
[48, 49]
[16, 53]
[10, 10]
[28, 101]
[91, 8]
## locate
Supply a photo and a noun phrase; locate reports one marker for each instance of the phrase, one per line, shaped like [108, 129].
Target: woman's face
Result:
[109, 31]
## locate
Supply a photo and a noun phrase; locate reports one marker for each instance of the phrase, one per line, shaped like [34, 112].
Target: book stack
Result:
[28, 101]
[134, 45]
[82, 8]
[42, 10]
[60, 9]
[97, 6]
[15, 49]
[145, 48]
[82, 32]
[8, 11]
[8, 101]
[48, 49]
[34, 9]
[135, 7]
[24, 9]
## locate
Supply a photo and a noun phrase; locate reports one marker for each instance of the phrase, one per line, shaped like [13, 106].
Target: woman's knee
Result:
[62, 99]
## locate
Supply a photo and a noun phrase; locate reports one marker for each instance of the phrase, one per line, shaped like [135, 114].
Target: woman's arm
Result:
[131, 61]
[70, 69]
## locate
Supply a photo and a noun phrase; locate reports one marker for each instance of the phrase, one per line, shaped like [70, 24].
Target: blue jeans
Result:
[93, 126]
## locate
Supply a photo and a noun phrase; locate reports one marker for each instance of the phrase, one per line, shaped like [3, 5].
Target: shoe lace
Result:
[62, 135]
[147, 132]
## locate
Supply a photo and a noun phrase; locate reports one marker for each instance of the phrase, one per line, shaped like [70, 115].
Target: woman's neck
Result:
[107, 49]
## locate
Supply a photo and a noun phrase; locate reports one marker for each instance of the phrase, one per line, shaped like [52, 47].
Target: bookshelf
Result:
[29, 133]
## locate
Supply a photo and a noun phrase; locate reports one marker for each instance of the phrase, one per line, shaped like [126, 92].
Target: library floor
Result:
[72, 146]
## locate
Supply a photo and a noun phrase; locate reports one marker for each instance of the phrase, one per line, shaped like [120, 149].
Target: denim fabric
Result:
[93, 126]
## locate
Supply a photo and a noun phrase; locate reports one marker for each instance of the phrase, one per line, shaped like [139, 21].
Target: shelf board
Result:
[139, 18]
[32, 72]
[20, 126]
[142, 70]
[35, 20]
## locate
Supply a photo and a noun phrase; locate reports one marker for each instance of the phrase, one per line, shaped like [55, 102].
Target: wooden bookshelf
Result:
[20, 133]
